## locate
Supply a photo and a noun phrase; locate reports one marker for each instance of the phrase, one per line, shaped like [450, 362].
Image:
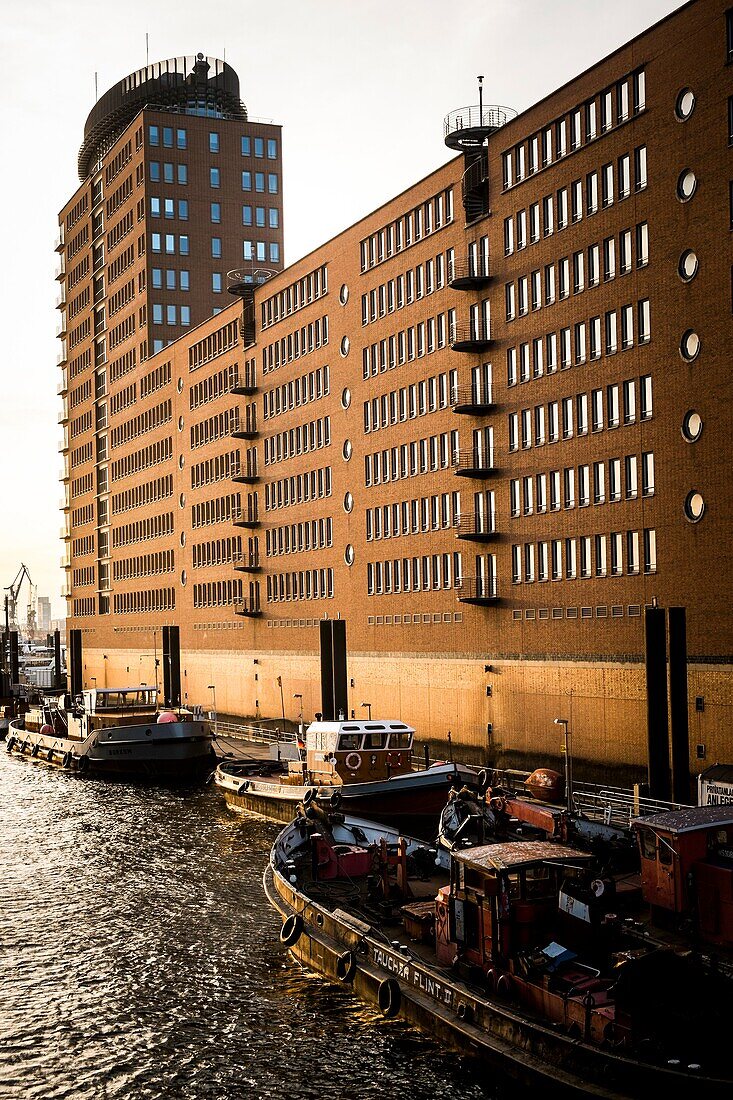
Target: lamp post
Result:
[565, 722]
[212, 689]
[369, 709]
[297, 695]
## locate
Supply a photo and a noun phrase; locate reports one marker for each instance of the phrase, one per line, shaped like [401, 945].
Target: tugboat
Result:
[366, 766]
[115, 731]
[522, 952]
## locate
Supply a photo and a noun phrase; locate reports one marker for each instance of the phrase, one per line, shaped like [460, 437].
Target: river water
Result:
[139, 960]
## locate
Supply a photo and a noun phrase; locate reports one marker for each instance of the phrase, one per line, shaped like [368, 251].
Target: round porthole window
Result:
[345, 397]
[685, 104]
[348, 502]
[349, 555]
[180, 385]
[694, 506]
[182, 500]
[692, 426]
[686, 185]
[183, 538]
[688, 266]
[345, 345]
[180, 423]
[690, 346]
[181, 461]
[346, 450]
[184, 577]
[344, 294]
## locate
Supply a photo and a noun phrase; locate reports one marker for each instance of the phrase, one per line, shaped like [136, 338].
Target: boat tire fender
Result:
[389, 997]
[465, 1011]
[66, 760]
[353, 761]
[82, 764]
[291, 930]
[10, 744]
[243, 786]
[309, 795]
[34, 749]
[482, 780]
[346, 967]
[335, 800]
[504, 987]
[498, 804]
[49, 755]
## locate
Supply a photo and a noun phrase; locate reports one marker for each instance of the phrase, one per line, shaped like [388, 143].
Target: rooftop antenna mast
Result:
[481, 101]
[96, 87]
[147, 50]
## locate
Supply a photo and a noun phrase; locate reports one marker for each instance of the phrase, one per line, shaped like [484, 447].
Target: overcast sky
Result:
[360, 88]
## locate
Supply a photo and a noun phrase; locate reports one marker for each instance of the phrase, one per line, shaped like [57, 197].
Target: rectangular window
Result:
[645, 403]
[153, 135]
[246, 215]
[155, 171]
[581, 411]
[509, 297]
[644, 321]
[554, 490]
[214, 177]
[182, 174]
[609, 258]
[170, 315]
[647, 474]
[548, 216]
[534, 222]
[259, 181]
[216, 282]
[632, 477]
[591, 192]
[624, 252]
[624, 176]
[594, 328]
[650, 550]
[157, 278]
[599, 483]
[594, 265]
[549, 284]
[591, 124]
[569, 487]
[522, 229]
[617, 560]
[640, 175]
[536, 289]
[562, 208]
[612, 406]
[183, 210]
[170, 243]
[273, 217]
[272, 183]
[534, 154]
[547, 146]
[632, 551]
[607, 185]
[246, 181]
[216, 247]
[585, 562]
[614, 479]
[629, 393]
[213, 143]
[627, 327]
[606, 111]
[215, 210]
[575, 130]
[578, 272]
[576, 193]
[642, 244]
[168, 137]
[639, 91]
[511, 366]
[597, 410]
[583, 486]
[571, 566]
[513, 432]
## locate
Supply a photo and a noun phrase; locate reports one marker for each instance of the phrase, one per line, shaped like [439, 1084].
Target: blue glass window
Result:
[246, 181]
[259, 147]
[216, 282]
[184, 280]
[181, 139]
[158, 344]
[168, 172]
[247, 250]
[272, 183]
[216, 211]
[157, 315]
[183, 209]
[182, 173]
[246, 147]
[153, 135]
[168, 208]
[155, 238]
[154, 207]
[213, 143]
[274, 217]
[260, 213]
[216, 247]
[246, 215]
[155, 170]
[183, 245]
[214, 177]
[157, 278]
[260, 250]
[274, 252]
[185, 315]
[170, 243]
[272, 148]
[168, 137]
[170, 314]
[170, 279]
[259, 181]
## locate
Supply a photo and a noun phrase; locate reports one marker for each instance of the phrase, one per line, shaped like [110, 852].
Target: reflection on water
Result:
[140, 960]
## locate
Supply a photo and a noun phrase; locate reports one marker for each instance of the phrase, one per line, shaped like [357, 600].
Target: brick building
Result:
[486, 425]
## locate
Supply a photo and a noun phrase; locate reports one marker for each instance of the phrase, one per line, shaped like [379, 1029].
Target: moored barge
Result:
[522, 954]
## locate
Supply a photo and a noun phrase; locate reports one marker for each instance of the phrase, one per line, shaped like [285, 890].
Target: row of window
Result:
[166, 208]
[213, 387]
[420, 339]
[429, 572]
[173, 314]
[587, 556]
[80, 393]
[273, 183]
[144, 422]
[85, 607]
[157, 599]
[172, 173]
[81, 516]
[404, 289]
[82, 578]
[273, 217]
[295, 538]
[299, 294]
[436, 452]
[407, 229]
[300, 391]
[575, 273]
[217, 343]
[569, 416]
[300, 342]
[82, 454]
[569, 204]
[217, 468]
[439, 512]
[299, 440]
[152, 455]
[298, 489]
[147, 492]
[123, 365]
[417, 399]
[583, 342]
[82, 485]
[308, 584]
[582, 485]
[215, 427]
[217, 593]
[577, 127]
[154, 527]
[167, 243]
[260, 251]
[155, 380]
[216, 552]
[145, 565]
[219, 510]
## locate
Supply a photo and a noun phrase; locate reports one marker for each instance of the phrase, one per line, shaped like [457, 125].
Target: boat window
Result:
[375, 726]
[349, 741]
[648, 843]
[539, 882]
[666, 853]
[400, 740]
[348, 729]
[375, 740]
[512, 881]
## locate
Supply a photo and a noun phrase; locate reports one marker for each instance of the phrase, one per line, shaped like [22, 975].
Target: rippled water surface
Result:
[139, 960]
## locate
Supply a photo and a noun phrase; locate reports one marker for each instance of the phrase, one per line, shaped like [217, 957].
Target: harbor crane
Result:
[11, 600]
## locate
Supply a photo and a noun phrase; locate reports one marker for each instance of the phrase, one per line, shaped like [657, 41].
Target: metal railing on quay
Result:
[256, 734]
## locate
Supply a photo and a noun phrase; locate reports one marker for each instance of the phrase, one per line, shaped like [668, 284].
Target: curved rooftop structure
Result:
[189, 85]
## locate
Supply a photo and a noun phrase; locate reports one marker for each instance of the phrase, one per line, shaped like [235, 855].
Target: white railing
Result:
[257, 734]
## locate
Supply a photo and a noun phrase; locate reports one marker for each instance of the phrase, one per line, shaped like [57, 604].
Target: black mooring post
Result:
[171, 666]
[76, 667]
[657, 720]
[57, 659]
[334, 682]
[679, 720]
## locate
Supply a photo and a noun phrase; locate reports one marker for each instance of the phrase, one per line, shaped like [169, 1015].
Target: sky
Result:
[360, 88]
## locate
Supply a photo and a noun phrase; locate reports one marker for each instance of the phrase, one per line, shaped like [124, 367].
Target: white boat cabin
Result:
[138, 700]
[358, 751]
